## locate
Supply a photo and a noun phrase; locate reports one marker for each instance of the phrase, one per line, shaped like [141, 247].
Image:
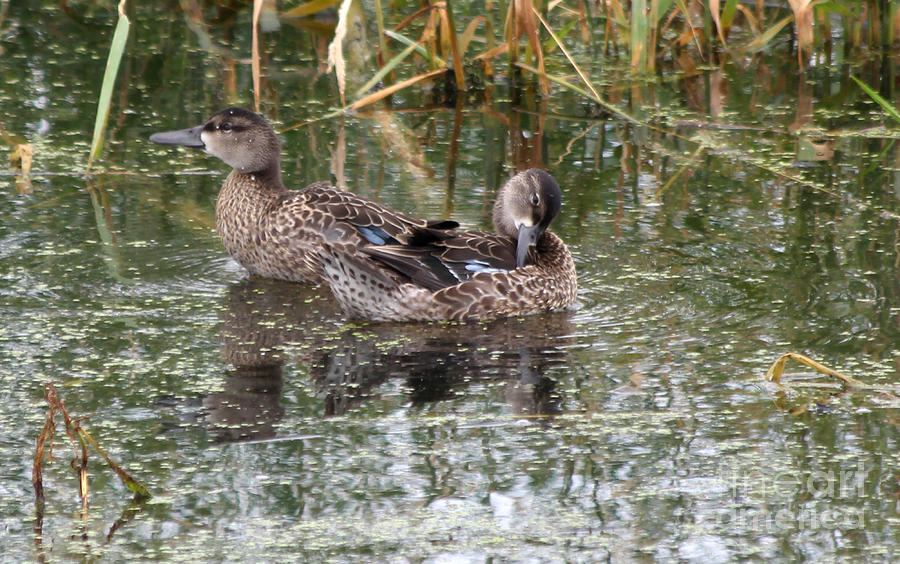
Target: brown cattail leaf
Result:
[803, 21]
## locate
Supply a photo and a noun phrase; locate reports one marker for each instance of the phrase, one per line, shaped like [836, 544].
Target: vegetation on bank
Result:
[473, 44]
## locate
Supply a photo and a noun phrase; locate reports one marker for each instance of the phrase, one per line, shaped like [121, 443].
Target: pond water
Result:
[758, 216]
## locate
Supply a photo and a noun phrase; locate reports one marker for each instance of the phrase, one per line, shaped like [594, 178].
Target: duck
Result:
[275, 232]
[381, 264]
[522, 268]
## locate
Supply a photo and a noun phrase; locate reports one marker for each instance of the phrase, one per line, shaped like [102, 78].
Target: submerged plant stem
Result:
[776, 371]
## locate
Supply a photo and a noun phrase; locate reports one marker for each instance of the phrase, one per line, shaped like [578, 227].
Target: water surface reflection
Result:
[268, 323]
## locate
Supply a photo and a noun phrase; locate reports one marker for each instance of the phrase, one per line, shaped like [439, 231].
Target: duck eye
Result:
[535, 199]
[226, 127]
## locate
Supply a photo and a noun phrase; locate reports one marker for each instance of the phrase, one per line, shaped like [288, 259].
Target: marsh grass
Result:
[643, 32]
[467, 39]
[81, 440]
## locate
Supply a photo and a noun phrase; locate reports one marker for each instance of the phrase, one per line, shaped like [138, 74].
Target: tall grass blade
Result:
[885, 105]
[336, 49]
[382, 42]
[526, 23]
[728, 13]
[715, 12]
[803, 22]
[658, 10]
[687, 17]
[550, 44]
[469, 33]
[640, 28]
[450, 28]
[254, 61]
[116, 50]
[596, 95]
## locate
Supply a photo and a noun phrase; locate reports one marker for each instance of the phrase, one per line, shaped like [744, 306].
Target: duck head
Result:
[525, 206]
[241, 138]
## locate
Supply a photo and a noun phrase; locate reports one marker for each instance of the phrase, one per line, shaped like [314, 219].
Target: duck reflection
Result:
[267, 323]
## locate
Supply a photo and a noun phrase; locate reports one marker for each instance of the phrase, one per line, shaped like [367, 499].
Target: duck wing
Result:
[445, 261]
[378, 224]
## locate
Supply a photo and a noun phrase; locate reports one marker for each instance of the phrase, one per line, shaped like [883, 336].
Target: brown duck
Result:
[275, 232]
[382, 264]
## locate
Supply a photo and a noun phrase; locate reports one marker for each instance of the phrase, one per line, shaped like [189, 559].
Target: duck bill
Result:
[183, 137]
[528, 236]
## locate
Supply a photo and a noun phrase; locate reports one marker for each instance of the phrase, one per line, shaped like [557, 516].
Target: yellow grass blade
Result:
[714, 11]
[254, 54]
[450, 31]
[494, 52]
[777, 369]
[761, 41]
[467, 35]
[336, 48]
[309, 8]
[803, 21]
[138, 489]
[21, 157]
[385, 92]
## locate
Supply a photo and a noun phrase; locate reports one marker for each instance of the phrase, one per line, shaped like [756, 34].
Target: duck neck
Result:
[268, 179]
[551, 252]
[261, 186]
[243, 200]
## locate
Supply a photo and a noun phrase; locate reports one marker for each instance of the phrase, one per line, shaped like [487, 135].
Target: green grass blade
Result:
[309, 8]
[386, 69]
[419, 49]
[382, 42]
[728, 13]
[137, 488]
[116, 50]
[550, 44]
[885, 105]
[640, 36]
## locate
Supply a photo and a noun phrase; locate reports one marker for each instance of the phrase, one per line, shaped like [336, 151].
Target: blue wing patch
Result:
[376, 235]
[481, 266]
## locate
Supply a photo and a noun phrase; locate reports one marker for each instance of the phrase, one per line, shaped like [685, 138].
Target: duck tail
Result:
[367, 291]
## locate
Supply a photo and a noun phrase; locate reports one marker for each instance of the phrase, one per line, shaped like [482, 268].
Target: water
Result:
[269, 427]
